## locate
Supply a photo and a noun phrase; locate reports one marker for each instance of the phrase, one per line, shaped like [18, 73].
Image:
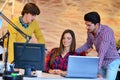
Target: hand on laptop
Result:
[99, 76]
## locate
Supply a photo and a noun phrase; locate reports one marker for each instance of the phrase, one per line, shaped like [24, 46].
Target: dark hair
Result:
[73, 44]
[93, 17]
[57, 51]
[30, 8]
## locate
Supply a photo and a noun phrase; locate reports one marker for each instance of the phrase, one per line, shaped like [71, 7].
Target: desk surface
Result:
[46, 76]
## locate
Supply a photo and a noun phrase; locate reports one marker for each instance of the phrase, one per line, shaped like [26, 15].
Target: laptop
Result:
[82, 67]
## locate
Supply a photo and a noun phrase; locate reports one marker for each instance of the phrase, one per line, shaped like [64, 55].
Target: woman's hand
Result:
[52, 71]
[57, 71]
[60, 72]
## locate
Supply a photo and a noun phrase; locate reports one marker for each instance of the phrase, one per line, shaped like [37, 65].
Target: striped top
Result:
[104, 43]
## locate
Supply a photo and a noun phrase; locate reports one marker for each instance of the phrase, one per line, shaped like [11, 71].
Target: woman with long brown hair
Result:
[57, 59]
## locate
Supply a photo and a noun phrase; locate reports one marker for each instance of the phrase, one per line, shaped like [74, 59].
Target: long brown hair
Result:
[59, 50]
[73, 44]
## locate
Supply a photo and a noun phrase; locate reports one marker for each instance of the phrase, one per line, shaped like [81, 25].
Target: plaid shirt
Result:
[59, 62]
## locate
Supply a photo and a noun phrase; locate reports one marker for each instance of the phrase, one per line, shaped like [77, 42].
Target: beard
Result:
[92, 30]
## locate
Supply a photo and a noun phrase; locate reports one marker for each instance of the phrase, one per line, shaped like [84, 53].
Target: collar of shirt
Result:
[99, 29]
[22, 23]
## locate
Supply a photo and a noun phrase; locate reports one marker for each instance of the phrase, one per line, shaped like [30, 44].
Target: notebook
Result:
[82, 67]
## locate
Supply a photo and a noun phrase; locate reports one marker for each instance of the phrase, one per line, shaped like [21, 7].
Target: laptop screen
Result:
[82, 66]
